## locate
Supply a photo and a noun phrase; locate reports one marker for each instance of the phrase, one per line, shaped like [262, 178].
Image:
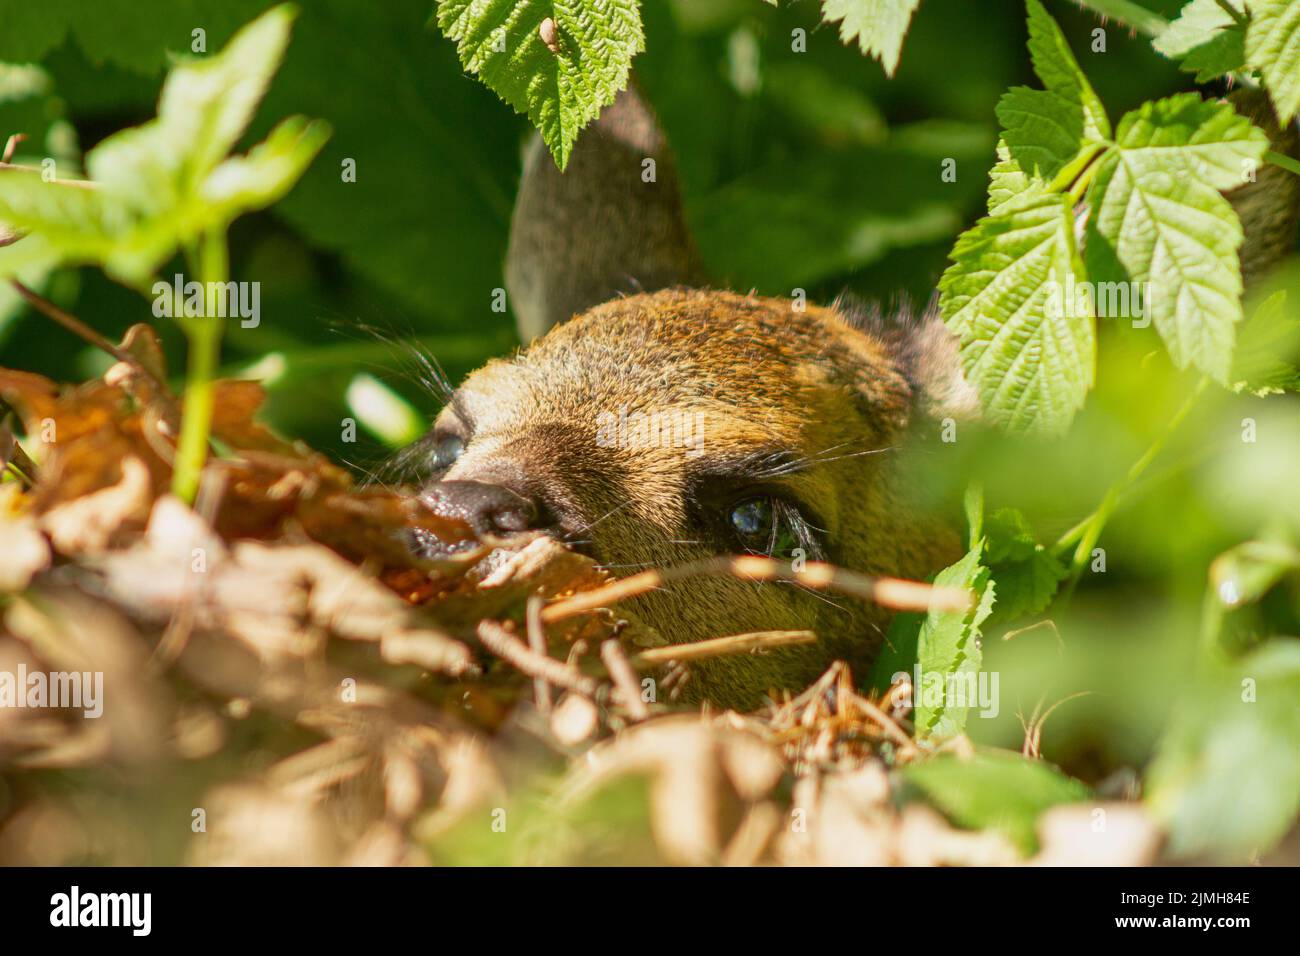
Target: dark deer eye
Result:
[768, 526]
[446, 451]
[752, 520]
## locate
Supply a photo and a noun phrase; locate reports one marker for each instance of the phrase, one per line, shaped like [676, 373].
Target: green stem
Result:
[204, 334]
[1088, 531]
[1129, 13]
[1283, 161]
[1080, 184]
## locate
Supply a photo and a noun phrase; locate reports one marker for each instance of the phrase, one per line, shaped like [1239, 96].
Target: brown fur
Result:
[765, 377]
[852, 394]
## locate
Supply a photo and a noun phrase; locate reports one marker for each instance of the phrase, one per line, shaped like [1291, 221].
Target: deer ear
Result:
[612, 223]
[925, 352]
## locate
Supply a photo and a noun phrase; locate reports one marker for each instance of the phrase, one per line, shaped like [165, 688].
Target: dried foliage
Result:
[284, 683]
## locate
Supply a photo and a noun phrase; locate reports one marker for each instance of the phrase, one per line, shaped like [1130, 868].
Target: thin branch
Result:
[8, 167]
[516, 653]
[611, 652]
[537, 644]
[76, 326]
[893, 593]
[718, 646]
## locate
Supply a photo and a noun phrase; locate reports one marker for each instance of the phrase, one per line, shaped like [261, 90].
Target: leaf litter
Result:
[285, 682]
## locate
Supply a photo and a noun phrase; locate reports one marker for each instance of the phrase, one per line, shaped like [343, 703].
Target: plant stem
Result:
[1126, 12]
[1088, 531]
[1283, 161]
[204, 333]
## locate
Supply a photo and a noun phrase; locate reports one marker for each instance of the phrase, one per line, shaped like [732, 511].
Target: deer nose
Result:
[488, 509]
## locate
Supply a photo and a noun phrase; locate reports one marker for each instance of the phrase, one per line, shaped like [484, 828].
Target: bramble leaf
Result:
[1051, 134]
[1157, 218]
[270, 169]
[1027, 349]
[995, 790]
[878, 26]
[1268, 347]
[1208, 39]
[1273, 48]
[1025, 573]
[159, 185]
[948, 648]
[563, 86]
[1059, 70]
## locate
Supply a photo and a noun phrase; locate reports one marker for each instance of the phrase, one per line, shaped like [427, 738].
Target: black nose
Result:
[488, 509]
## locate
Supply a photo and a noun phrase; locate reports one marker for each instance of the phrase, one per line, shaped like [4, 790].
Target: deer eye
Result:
[447, 450]
[752, 519]
[766, 526]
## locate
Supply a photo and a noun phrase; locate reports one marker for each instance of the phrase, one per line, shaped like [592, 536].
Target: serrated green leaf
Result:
[1226, 779]
[1268, 348]
[1059, 70]
[1007, 180]
[1010, 538]
[995, 790]
[1157, 218]
[1052, 134]
[948, 650]
[563, 89]
[1044, 134]
[1208, 39]
[205, 106]
[1025, 573]
[1027, 346]
[1273, 48]
[154, 185]
[270, 169]
[878, 26]
[1026, 587]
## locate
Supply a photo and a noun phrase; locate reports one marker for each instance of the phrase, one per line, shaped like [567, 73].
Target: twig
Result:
[515, 652]
[9, 235]
[8, 167]
[537, 643]
[884, 721]
[76, 326]
[889, 592]
[624, 678]
[715, 647]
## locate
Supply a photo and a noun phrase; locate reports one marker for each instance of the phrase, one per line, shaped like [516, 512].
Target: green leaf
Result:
[1268, 348]
[1025, 573]
[1027, 346]
[995, 790]
[1059, 70]
[1226, 779]
[1007, 180]
[205, 106]
[159, 185]
[1273, 48]
[1208, 39]
[878, 26]
[1157, 219]
[29, 104]
[562, 89]
[268, 171]
[1042, 135]
[1052, 134]
[948, 651]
